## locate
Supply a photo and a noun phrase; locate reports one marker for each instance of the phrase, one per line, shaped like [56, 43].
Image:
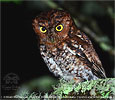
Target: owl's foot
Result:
[77, 80]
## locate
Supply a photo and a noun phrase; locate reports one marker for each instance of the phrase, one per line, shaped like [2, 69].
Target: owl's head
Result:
[52, 27]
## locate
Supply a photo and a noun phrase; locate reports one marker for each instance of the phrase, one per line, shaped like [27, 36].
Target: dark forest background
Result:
[20, 52]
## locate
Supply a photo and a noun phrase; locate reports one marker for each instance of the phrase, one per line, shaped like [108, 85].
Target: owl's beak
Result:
[52, 39]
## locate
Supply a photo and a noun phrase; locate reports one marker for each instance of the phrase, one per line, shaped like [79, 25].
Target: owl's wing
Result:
[88, 52]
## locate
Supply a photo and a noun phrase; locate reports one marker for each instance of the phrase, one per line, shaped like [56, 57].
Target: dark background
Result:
[20, 52]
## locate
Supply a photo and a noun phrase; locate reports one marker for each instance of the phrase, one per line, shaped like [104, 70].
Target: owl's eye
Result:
[59, 28]
[43, 29]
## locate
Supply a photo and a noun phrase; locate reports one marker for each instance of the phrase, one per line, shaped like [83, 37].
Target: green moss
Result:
[63, 88]
[104, 88]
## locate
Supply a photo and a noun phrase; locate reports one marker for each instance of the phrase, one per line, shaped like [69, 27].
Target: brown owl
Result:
[66, 50]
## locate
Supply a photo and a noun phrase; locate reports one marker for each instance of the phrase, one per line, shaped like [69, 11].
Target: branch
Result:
[101, 88]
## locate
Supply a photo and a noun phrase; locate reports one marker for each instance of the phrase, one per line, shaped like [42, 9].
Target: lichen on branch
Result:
[101, 88]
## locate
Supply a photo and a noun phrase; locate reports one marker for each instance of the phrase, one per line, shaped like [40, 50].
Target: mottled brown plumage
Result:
[66, 50]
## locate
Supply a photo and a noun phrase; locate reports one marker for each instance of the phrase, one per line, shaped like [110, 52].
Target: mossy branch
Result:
[101, 88]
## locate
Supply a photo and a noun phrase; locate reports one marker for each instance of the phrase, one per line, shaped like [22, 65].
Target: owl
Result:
[66, 50]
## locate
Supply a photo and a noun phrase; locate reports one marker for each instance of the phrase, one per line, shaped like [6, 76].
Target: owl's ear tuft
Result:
[35, 25]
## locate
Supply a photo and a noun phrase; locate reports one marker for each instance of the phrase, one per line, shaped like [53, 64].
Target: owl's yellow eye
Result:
[43, 29]
[59, 28]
